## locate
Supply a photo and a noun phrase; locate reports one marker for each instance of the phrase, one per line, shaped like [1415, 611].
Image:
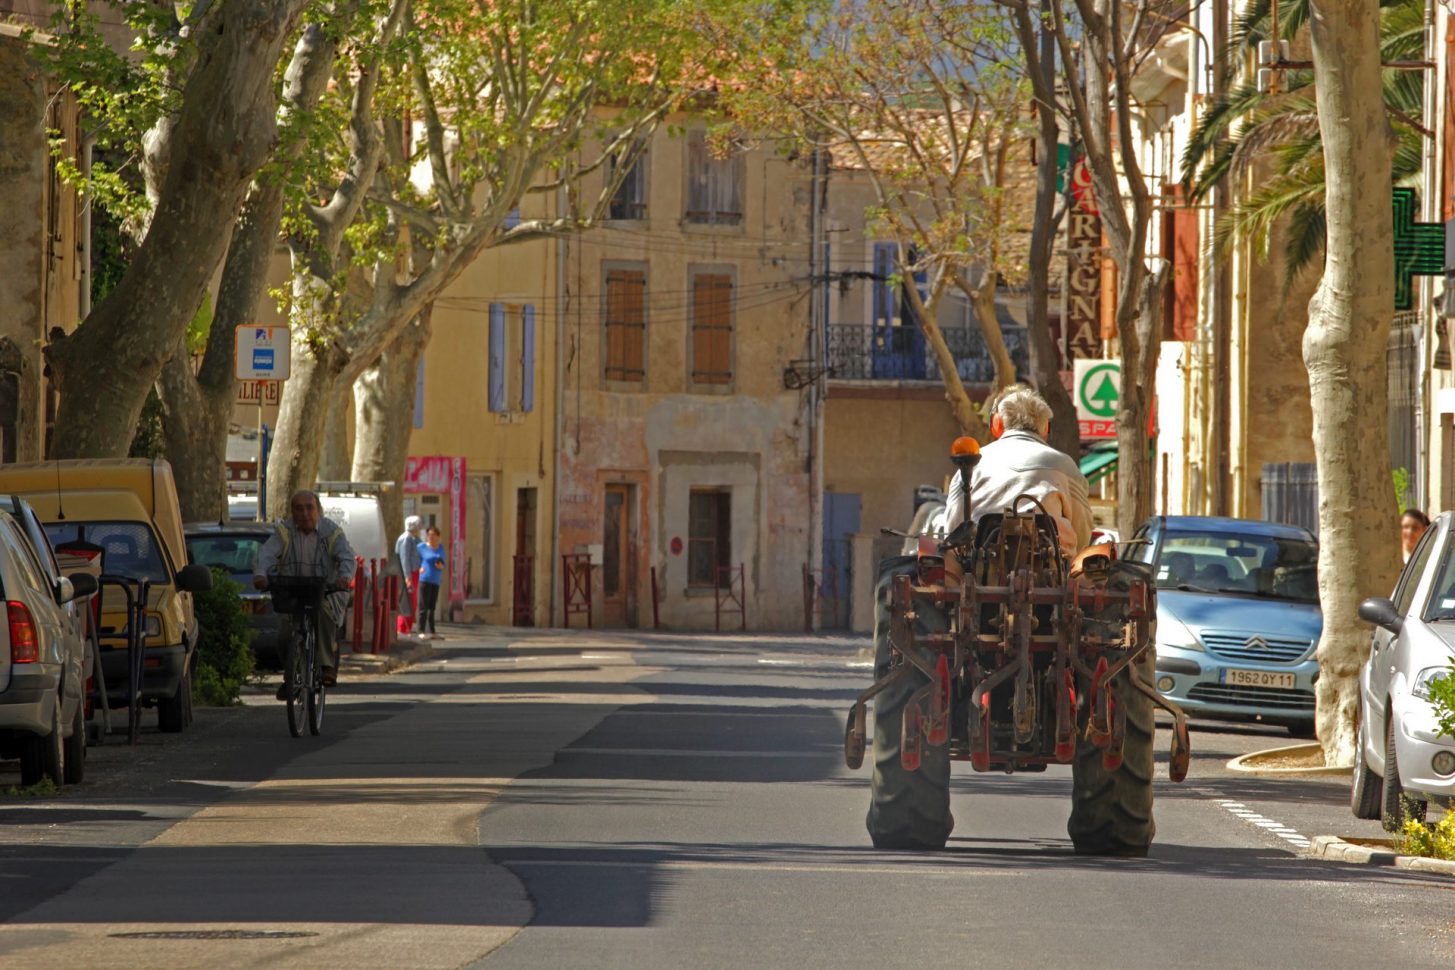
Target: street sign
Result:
[1098, 389]
[261, 353]
[260, 392]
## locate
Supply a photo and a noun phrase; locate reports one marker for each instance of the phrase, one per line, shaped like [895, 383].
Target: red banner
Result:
[444, 475]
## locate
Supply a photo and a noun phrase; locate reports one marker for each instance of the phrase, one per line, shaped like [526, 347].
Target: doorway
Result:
[618, 558]
[523, 605]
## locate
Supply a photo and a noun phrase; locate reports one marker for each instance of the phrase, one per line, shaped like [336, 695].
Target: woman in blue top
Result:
[431, 574]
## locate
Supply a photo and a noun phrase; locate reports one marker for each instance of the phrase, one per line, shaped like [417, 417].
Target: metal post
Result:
[656, 616]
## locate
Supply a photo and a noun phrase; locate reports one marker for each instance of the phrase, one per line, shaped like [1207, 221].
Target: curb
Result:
[1334, 848]
[405, 652]
[1240, 764]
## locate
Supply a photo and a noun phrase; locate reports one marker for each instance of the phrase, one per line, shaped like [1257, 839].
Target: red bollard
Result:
[358, 637]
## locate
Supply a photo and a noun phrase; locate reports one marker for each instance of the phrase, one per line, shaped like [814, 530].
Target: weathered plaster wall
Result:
[666, 435]
[881, 448]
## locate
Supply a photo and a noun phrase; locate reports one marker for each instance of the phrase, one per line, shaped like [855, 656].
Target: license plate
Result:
[1257, 678]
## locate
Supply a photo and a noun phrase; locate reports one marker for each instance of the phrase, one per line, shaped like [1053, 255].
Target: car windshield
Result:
[1250, 565]
[234, 552]
[128, 548]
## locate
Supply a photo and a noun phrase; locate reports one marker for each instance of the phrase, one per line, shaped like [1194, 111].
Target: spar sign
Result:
[1097, 386]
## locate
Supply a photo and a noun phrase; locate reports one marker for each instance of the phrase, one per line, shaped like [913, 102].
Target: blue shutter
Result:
[528, 358]
[512, 218]
[497, 357]
[419, 394]
[884, 254]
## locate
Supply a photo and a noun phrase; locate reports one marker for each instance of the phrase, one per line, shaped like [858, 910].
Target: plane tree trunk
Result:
[224, 132]
[384, 416]
[1344, 350]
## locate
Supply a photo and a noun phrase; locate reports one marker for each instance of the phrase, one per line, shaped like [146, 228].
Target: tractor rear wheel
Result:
[907, 809]
[1111, 811]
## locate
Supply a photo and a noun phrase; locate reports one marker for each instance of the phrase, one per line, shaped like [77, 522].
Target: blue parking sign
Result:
[262, 359]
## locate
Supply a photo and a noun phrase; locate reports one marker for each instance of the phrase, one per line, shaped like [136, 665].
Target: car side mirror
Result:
[1382, 613]
[195, 578]
[82, 585]
[65, 590]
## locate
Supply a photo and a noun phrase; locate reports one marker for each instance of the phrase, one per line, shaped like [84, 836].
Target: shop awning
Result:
[1100, 461]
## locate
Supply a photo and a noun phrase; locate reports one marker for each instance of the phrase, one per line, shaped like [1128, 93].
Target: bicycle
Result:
[301, 597]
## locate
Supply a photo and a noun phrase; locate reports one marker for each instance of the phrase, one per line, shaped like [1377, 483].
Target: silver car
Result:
[1402, 761]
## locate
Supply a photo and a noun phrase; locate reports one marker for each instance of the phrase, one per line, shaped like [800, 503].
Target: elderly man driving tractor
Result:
[1019, 462]
[993, 646]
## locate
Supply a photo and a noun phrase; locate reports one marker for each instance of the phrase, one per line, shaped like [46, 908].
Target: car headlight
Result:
[153, 626]
[1172, 632]
[1424, 678]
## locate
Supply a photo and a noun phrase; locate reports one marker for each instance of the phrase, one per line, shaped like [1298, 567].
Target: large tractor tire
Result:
[1111, 811]
[907, 809]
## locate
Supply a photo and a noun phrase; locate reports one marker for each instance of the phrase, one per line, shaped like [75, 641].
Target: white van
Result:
[355, 507]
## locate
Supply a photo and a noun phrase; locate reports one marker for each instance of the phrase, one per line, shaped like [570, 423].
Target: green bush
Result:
[1431, 841]
[225, 655]
[1442, 698]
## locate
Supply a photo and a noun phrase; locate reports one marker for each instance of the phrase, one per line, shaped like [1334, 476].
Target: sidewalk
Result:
[359, 848]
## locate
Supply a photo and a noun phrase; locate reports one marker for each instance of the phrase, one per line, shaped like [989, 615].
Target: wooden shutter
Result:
[497, 357]
[884, 259]
[528, 358]
[699, 201]
[712, 328]
[626, 319]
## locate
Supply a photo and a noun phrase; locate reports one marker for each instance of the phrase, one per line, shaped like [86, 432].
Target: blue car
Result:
[1237, 617]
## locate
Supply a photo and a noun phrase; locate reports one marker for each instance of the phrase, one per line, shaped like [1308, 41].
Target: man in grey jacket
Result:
[1019, 462]
[310, 545]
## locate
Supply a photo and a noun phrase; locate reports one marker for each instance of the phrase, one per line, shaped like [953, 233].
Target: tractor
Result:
[993, 648]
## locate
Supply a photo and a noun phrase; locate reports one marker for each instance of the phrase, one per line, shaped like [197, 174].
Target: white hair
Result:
[411, 523]
[1022, 409]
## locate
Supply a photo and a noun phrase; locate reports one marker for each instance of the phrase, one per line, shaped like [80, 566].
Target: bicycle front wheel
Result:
[317, 691]
[297, 681]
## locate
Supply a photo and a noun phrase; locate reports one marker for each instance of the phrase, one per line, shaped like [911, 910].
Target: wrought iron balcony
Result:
[865, 352]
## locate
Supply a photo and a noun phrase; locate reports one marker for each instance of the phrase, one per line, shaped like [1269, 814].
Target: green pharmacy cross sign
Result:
[1419, 248]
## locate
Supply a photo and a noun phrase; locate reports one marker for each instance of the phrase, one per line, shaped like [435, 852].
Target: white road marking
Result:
[1287, 833]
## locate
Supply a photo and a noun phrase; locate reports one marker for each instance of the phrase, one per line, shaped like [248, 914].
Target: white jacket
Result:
[1020, 463]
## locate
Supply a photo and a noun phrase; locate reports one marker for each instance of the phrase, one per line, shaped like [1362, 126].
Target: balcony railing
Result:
[864, 352]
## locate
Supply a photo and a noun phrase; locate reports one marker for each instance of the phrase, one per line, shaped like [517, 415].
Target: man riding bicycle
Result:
[311, 546]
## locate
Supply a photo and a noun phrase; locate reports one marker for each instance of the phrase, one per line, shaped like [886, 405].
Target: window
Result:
[1254, 565]
[709, 536]
[712, 328]
[714, 185]
[130, 547]
[479, 538]
[233, 551]
[630, 199]
[626, 324]
[512, 357]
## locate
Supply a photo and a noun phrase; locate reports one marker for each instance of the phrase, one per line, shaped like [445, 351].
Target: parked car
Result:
[1237, 616]
[44, 662]
[129, 508]
[233, 546]
[1400, 751]
[355, 507]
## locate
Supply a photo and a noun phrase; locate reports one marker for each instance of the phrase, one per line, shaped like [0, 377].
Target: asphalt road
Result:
[555, 799]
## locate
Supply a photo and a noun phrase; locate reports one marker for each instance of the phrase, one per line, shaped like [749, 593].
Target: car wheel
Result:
[1398, 807]
[1367, 791]
[44, 756]
[172, 711]
[75, 747]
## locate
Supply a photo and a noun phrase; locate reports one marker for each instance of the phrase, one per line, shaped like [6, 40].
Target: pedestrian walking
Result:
[406, 559]
[431, 574]
[1412, 525]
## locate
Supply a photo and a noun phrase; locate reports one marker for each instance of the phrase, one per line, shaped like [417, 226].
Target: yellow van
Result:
[129, 508]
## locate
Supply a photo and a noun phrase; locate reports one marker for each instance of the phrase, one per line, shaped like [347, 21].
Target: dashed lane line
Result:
[1287, 833]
